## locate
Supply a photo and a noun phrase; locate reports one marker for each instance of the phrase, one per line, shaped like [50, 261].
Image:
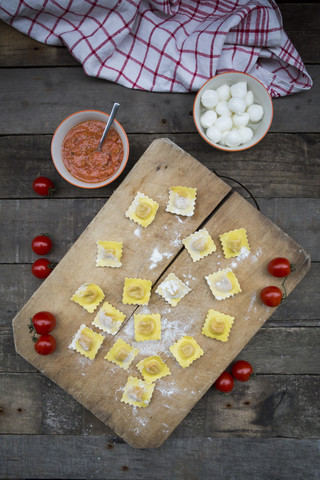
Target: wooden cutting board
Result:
[152, 253]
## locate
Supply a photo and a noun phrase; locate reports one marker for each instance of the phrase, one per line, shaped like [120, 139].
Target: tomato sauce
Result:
[80, 155]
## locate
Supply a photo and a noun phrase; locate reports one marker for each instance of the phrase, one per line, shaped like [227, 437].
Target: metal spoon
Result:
[110, 122]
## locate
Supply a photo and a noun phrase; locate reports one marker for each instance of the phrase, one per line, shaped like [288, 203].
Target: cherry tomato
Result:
[225, 382]
[279, 267]
[242, 370]
[41, 268]
[43, 186]
[271, 296]
[41, 245]
[45, 344]
[43, 322]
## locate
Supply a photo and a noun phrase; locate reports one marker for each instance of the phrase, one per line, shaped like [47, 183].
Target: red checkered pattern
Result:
[166, 45]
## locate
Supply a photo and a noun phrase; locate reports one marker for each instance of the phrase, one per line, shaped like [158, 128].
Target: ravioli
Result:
[137, 392]
[217, 325]
[109, 254]
[199, 244]
[89, 296]
[109, 319]
[122, 354]
[186, 351]
[172, 289]
[136, 291]
[87, 342]
[182, 200]
[235, 243]
[142, 210]
[147, 326]
[223, 284]
[152, 368]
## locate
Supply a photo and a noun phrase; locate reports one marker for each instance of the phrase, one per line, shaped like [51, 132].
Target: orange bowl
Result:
[261, 97]
[60, 134]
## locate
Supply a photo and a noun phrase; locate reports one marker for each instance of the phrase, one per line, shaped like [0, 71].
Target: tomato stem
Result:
[284, 288]
[32, 331]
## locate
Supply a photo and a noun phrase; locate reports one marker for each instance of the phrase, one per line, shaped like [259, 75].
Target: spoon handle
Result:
[114, 110]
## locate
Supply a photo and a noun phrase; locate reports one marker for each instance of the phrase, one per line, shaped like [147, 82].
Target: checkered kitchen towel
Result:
[166, 45]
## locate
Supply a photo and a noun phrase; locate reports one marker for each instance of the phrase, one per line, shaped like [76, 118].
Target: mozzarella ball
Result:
[223, 137]
[209, 98]
[214, 134]
[224, 123]
[233, 138]
[237, 105]
[223, 109]
[224, 92]
[255, 112]
[239, 89]
[240, 120]
[249, 98]
[208, 118]
[246, 134]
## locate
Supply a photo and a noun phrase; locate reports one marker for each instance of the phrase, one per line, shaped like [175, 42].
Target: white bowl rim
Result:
[221, 147]
[87, 185]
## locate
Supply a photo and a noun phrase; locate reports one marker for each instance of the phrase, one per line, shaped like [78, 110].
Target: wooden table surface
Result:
[267, 428]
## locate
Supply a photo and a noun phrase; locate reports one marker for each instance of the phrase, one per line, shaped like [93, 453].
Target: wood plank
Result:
[17, 49]
[191, 458]
[271, 351]
[282, 165]
[154, 113]
[299, 217]
[266, 406]
[262, 233]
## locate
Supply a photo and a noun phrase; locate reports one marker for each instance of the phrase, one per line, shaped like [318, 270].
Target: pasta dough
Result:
[172, 289]
[136, 291]
[137, 392]
[147, 326]
[182, 200]
[142, 210]
[122, 354]
[223, 284]
[235, 243]
[217, 325]
[186, 350]
[152, 368]
[199, 244]
[87, 342]
[89, 296]
[109, 254]
[109, 319]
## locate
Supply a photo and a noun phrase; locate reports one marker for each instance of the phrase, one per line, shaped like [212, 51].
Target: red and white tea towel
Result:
[166, 45]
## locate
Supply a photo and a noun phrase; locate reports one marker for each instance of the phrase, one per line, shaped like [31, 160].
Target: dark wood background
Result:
[267, 428]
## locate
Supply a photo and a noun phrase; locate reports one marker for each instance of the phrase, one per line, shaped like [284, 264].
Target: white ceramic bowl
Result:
[261, 97]
[62, 130]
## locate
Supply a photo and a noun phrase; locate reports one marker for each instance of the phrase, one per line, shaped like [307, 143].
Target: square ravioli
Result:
[137, 392]
[235, 243]
[109, 319]
[223, 284]
[122, 354]
[186, 350]
[87, 342]
[147, 326]
[152, 368]
[109, 254]
[182, 200]
[136, 291]
[199, 244]
[142, 210]
[172, 289]
[89, 296]
[217, 325]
